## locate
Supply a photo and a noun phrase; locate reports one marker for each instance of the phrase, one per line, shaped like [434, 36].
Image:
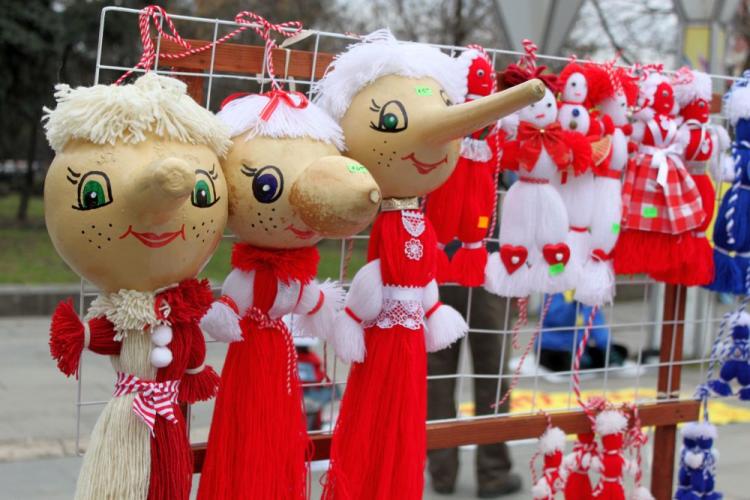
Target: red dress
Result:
[612, 464]
[183, 380]
[379, 444]
[258, 443]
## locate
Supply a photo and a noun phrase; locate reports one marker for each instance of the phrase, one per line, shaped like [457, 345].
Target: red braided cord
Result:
[523, 320]
[498, 153]
[636, 439]
[529, 58]
[577, 366]
[532, 461]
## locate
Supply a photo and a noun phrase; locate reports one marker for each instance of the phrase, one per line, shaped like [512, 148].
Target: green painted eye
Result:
[94, 191]
[390, 121]
[204, 191]
[392, 117]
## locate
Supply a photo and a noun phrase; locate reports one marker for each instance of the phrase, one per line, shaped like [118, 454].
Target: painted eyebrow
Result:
[374, 106]
[75, 176]
[248, 171]
[212, 173]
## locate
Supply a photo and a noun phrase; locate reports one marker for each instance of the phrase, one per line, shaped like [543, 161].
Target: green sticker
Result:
[356, 168]
[424, 90]
[615, 228]
[650, 212]
[556, 269]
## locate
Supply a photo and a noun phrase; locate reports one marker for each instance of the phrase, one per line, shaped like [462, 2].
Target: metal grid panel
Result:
[637, 322]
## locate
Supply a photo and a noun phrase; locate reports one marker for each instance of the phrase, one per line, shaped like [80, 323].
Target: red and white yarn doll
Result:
[611, 426]
[613, 92]
[695, 265]
[533, 254]
[661, 202]
[283, 146]
[551, 446]
[395, 103]
[577, 465]
[462, 207]
[577, 188]
[136, 202]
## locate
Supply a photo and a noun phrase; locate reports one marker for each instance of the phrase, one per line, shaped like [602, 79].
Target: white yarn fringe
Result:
[552, 440]
[348, 339]
[105, 114]
[610, 422]
[444, 327]
[541, 490]
[597, 284]
[321, 323]
[221, 323]
[498, 282]
[641, 493]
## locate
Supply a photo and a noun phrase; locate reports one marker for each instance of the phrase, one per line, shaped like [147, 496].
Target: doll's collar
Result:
[393, 204]
[300, 264]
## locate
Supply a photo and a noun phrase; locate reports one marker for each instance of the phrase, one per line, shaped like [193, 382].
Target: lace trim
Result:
[475, 149]
[402, 306]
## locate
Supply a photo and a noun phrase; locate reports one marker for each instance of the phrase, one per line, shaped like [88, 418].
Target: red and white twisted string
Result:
[529, 58]
[635, 440]
[537, 453]
[576, 375]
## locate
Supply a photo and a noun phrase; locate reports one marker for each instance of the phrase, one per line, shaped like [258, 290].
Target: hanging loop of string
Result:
[635, 440]
[537, 453]
[587, 409]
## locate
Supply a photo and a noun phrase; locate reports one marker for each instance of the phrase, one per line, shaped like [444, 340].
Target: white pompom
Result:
[161, 335]
[222, 323]
[161, 357]
[444, 326]
[541, 490]
[641, 493]
[348, 338]
[693, 460]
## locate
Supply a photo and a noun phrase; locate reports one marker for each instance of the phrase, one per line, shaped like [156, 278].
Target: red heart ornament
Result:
[600, 255]
[513, 257]
[556, 254]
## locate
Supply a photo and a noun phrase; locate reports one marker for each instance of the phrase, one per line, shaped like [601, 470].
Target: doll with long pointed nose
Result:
[289, 188]
[395, 104]
[135, 202]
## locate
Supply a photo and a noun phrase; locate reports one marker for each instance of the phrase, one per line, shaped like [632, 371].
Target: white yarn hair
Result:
[646, 91]
[242, 115]
[610, 422]
[740, 318]
[552, 440]
[105, 114]
[699, 88]
[704, 430]
[737, 105]
[379, 54]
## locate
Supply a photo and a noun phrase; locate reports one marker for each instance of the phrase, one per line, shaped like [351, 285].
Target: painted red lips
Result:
[154, 240]
[300, 233]
[422, 167]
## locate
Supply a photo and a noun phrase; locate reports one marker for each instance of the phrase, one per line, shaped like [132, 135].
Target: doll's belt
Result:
[659, 158]
[151, 398]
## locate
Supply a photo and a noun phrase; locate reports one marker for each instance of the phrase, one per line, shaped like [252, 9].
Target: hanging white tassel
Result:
[312, 322]
[221, 323]
[445, 325]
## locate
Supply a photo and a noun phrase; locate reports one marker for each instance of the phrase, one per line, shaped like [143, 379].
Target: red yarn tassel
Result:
[468, 266]
[66, 338]
[647, 252]
[444, 272]
[171, 460]
[200, 386]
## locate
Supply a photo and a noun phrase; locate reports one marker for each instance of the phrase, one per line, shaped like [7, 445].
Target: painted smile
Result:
[154, 240]
[422, 167]
[539, 116]
[300, 233]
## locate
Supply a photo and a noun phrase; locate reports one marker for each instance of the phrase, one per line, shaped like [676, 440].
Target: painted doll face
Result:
[135, 216]
[696, 110]
[663, 99]
[291, 193]
[576, 88]
[541, 113]
[481, 78]
[616, 108]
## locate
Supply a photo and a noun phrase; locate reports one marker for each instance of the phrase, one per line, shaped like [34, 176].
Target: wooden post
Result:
[668, 386]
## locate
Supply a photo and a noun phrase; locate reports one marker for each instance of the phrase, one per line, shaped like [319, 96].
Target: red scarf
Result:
[299, 264]
[552, 137]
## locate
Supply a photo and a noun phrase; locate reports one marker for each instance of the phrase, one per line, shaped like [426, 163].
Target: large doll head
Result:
[573, 85]
[655, 96]
[396, 103]
[135, 197]
[289, 186]
[480, 75]
[611, 426]
[544, 111]
[692, 92]
[613, 90]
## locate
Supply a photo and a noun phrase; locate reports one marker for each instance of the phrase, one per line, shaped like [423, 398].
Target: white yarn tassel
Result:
[598, 286]
[321, 322]
[445, 325]
[222, 323]
[498, 282]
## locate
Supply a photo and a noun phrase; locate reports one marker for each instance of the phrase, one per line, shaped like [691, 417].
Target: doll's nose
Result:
[335, 196]
[164, 187]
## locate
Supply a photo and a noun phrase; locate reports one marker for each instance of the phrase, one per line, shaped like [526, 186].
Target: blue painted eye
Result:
[576, 112]
[268, 184]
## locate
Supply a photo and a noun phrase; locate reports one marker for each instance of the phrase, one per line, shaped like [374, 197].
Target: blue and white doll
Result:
[689, 434]
[701, 464]
[732, 227]
[733, 354]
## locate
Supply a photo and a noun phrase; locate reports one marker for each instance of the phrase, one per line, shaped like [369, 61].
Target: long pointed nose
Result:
[163, 188]
[461, 120]
[335, 196]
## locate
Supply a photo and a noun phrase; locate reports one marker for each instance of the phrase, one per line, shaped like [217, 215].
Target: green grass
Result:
[27, 255]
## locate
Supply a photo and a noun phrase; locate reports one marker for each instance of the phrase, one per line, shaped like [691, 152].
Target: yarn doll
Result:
[731, 235]
[136, 203]
[577, 465]
[661, 202]
[701, 464]
[694, 266]
[613, 92]
[533, 254]
[551, 446]
[396, 105]
[577, 188]
[690, 448]
[610, 464]
[462, 207]
[734, 355]
[289, 188]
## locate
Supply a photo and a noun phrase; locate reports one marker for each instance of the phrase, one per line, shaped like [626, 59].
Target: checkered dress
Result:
[659, 194]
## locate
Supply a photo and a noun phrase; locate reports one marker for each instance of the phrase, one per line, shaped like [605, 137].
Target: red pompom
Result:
[66, 338]
[467, 266]
[200, 386]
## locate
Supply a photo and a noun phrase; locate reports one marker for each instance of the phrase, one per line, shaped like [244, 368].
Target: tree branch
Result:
[608, 31]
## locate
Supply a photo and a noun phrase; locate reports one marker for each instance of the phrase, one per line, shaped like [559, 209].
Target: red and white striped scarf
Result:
[151, 398]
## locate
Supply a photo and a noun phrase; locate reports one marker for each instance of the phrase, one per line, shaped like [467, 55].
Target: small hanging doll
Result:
[689, 433]
[611, 426]
[700, 464]
[289, 187]
[661, 202]
[577, 465]
[533, 254]
[551, 446]
[694, 265]
[462, 207]
[395, 103]
[733, 354]
[613, 92]
[136, 202]
[731, 235]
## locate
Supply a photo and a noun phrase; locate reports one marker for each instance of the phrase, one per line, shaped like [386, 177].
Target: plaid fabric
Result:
[659, 195]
